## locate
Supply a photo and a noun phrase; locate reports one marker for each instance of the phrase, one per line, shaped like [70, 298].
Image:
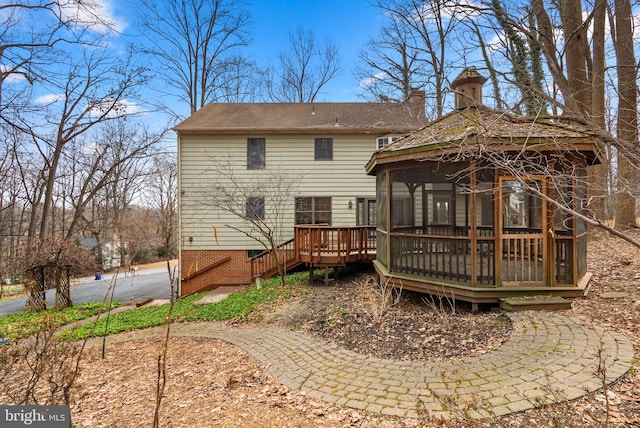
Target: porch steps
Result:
[534, 303]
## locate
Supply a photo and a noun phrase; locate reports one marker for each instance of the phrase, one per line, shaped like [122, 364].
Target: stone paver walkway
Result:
[548, 357]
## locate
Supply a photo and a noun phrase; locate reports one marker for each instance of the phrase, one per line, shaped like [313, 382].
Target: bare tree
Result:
[432, 25]
[583, 96]
[389, 66]
[162, 196]
[578, 69]
[11, 204]
[237, 80]
[57, 160]
[598, 173]
[546, 55]
[94, 91]
[30, 32]
[261, 200]
[194, 43]
[493, 72]
[103, 177]
[304, 69]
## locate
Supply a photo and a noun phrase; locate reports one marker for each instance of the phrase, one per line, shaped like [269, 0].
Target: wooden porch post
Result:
[497, 225]
[388, 204]
[36, 295]
[63, 290]
[551, 250]
[473, 231]
[574, 234]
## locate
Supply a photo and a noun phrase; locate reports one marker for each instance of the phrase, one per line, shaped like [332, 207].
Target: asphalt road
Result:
[148, 284]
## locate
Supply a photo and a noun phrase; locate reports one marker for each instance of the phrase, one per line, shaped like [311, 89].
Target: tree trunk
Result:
[48, 195]
[576, 61]
[597, 178]
[627, 126]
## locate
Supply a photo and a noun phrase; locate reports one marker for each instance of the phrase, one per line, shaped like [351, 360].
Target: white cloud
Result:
[130, 107]
[122, 108]
[95, 15]
[365, 83]
[13, 76]
[48, 99]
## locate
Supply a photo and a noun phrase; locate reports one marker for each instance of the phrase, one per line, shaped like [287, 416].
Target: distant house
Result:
[465, 204]
[110, 256]
[325, 144]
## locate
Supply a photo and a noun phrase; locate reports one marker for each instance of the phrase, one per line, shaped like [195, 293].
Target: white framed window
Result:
[386, 140]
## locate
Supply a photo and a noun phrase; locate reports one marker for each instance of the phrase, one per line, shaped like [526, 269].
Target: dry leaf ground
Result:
[212, 383]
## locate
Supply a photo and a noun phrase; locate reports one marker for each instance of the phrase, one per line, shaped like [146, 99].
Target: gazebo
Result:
[481, 205]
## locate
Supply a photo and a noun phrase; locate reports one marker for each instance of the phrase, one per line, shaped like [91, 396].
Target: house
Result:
[470, 206]
[324, 146]
[110, 251]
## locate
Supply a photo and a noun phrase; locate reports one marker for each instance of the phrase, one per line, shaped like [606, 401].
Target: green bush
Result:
[25, 323]
[238, 305]
[134, 319]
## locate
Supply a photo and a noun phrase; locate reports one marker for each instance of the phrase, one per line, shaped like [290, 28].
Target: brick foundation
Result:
[233, 272]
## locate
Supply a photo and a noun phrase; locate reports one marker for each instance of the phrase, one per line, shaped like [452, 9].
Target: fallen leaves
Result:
[409, 329]
[211, 383]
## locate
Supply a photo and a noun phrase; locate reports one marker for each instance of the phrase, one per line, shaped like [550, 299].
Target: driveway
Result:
[148, 284]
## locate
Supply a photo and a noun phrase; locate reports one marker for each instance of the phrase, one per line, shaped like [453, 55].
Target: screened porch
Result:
[458, 223]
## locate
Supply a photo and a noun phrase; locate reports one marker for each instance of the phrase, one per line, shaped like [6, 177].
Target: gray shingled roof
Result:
[300, 117]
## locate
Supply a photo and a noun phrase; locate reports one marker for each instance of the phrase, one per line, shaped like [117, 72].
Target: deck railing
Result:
[319, 245]
[522, 259]
[447, 258]
[263, 264]
[334, 245]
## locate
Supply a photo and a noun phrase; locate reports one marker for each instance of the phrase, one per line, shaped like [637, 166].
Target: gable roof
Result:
[304, 117]
[482, 125]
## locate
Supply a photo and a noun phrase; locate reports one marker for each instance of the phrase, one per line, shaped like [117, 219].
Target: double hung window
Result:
[323, 148]
[313, 210]
[255, 208]
[255, 153]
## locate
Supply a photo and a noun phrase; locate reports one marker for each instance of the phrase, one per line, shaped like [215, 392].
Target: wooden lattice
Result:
[36, 291]
[49, 277]
[63, 291]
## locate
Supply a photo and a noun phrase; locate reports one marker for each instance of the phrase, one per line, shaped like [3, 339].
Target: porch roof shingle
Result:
[483, 125]
[490, 125]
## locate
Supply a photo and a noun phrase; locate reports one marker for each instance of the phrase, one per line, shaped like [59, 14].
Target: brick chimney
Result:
[468, 88]
[417, 99]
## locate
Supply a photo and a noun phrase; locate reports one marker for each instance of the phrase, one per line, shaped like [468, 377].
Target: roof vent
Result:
[468, 88]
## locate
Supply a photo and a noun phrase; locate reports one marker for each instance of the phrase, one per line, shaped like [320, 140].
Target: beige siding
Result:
[343, 179]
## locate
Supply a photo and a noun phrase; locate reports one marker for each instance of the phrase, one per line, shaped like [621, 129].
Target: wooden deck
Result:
[319, 246]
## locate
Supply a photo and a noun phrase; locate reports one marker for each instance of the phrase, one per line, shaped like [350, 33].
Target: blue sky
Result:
[348, 23]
